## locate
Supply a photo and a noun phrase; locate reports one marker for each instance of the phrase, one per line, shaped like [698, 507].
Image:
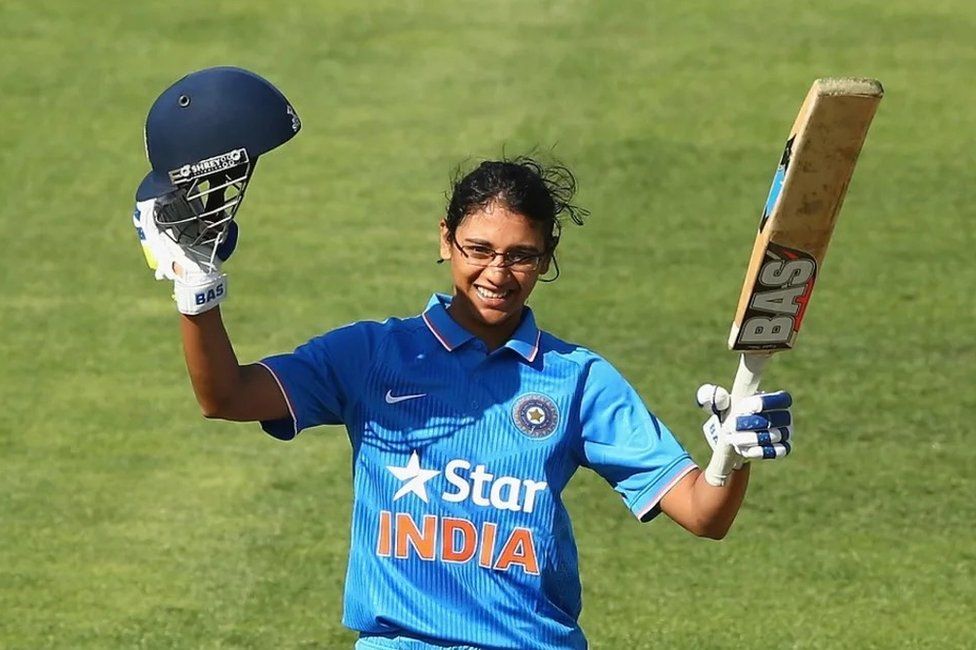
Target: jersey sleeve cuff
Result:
[284, 428]
[645, 506]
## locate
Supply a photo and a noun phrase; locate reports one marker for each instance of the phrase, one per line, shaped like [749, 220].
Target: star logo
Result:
[536, 415]
[415, 478]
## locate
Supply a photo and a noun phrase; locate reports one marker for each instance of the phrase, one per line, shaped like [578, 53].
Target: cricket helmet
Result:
[203, 138]
[209, 121]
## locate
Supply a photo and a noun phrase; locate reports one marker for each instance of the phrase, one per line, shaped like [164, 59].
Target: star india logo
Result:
[460, 536]
[415, 479]
[535, 415]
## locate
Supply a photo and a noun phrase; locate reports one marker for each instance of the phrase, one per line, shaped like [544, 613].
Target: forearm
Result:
[210, 361]
[716, 507]
[704, 509]
[756, 427]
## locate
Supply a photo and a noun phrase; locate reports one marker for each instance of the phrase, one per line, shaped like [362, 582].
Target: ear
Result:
[446, 247]
[551, 243]
[544, 265]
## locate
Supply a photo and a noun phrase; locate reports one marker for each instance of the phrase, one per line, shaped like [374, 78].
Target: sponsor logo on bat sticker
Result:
[779, 300]
[777, 187]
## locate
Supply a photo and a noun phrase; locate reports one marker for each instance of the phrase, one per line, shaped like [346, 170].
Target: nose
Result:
[496, 273]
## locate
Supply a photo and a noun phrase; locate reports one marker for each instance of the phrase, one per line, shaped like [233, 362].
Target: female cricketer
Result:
[466, 421]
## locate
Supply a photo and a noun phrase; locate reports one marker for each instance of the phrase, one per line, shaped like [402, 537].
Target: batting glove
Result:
[198, 283]
[758, 427]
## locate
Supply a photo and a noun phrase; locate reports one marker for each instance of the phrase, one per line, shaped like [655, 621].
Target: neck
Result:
[493, 336]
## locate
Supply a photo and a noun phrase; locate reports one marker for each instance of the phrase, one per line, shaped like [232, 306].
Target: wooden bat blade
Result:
[798, 219]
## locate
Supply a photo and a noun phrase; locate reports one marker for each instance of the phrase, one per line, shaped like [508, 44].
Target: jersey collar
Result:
[524, 341]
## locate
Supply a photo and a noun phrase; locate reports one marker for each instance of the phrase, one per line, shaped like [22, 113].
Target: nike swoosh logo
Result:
[393, 399]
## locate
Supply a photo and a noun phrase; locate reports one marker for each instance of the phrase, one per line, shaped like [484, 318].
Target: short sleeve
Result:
[321, 379]
[626, 444]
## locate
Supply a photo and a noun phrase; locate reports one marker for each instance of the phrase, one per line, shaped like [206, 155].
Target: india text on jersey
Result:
[455, 539]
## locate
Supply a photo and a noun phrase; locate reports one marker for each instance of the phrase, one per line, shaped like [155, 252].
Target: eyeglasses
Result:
[483, 256]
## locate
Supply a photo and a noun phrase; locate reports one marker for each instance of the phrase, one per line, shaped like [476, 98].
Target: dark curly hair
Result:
[542, 194]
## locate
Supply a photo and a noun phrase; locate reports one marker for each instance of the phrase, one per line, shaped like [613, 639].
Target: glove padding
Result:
[759, 427]
[198, 283]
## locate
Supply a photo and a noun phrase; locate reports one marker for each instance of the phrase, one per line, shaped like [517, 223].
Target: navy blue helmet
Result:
[203, 137]
[208, 114]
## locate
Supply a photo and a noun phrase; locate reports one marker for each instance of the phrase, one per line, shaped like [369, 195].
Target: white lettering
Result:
[480, 477]
[510, 502]
[486, 490]
[450, 473]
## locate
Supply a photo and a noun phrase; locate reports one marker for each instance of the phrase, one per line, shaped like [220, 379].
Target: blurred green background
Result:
[126, 520]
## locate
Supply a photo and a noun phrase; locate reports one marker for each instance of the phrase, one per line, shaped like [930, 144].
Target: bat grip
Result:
[749, 374]
[746, 383]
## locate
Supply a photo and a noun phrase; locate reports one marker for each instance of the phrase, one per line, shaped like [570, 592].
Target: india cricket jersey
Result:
[459, 533]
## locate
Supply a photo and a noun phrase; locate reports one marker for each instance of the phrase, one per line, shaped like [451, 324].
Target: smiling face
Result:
[488, 300]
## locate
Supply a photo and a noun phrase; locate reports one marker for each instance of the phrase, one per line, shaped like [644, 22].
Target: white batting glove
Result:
[198, 283]
[758, 427]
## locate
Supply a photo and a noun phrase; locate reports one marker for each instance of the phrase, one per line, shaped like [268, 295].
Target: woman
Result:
[466, 423]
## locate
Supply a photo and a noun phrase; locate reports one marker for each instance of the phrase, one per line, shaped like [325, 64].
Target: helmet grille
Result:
[201, 209]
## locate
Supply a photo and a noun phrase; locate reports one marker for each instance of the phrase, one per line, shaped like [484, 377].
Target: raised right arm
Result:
[224, 388]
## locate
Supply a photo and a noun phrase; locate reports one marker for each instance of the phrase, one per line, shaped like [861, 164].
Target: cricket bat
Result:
[797, 221]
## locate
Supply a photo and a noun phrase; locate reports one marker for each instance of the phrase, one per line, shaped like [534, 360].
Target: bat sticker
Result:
[777, 186]
[779, 300]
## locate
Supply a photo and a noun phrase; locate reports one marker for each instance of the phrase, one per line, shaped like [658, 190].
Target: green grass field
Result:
[127, 520]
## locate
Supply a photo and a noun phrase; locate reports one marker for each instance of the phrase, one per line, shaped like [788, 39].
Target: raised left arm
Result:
[757, 427]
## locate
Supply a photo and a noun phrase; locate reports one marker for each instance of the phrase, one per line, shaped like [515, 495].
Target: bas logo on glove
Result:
[212, 294]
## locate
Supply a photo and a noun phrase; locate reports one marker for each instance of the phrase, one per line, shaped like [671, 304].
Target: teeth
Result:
[484, 293]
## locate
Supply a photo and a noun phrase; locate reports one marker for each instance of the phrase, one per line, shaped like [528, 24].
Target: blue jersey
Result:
[459, 533]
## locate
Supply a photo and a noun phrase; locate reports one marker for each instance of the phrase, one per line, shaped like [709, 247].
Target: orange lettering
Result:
[469, 539]
[519, 549]
[407, 532]
[383, 539]
[487, 544]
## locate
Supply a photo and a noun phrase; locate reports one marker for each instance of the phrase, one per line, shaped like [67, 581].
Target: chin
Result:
[493, 316]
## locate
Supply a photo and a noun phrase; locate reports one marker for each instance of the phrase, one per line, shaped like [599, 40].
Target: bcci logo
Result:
[535, 415]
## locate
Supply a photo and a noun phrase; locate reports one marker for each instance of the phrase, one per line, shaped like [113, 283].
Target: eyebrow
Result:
[521, 248]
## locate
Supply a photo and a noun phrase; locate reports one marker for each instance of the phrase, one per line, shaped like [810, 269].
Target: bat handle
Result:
[746, 383]
[749, 374]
